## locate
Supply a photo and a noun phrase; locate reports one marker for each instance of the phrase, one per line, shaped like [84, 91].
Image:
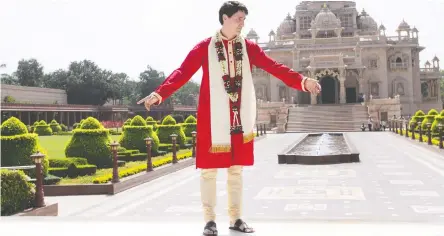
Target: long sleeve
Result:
[290, 77]
[183, 74]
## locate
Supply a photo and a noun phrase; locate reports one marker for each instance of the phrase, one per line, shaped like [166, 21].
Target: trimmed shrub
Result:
[55, 127]
[433, 112]
[442, 113]
[164, 132]
[133, 138]
[168, 120]
[438, 120]
[178, 118]
[64, 127]
[75, 125]
[150, 121]
[138, 121]
[91, 141]
[190, 119]
[13, 126]
[419, 113]
[17, 192]
[43, 130]
[65, 162]
[428, 119]
[18, 145]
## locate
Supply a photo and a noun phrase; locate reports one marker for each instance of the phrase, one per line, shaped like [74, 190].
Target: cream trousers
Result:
[234, 191]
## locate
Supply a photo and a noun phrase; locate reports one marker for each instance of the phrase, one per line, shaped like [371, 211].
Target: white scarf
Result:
[219, 100]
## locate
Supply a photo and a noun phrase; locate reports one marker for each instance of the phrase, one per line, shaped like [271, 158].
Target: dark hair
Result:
[230, 8]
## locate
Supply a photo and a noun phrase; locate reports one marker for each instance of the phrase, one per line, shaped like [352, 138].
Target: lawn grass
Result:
[55, 144]
[128, 165]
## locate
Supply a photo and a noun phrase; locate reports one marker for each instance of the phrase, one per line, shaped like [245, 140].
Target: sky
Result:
[127, 35]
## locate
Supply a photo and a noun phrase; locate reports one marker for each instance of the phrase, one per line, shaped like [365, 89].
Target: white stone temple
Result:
[352, 57]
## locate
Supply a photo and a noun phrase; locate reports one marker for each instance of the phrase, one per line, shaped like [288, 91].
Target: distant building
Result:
[351, 56]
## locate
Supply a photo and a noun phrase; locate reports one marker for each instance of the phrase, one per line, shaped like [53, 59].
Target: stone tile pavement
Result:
[395, 182]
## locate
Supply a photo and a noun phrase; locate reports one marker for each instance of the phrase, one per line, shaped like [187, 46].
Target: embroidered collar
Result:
[225, 38]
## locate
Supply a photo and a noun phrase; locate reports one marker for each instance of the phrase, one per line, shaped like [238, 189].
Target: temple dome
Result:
[367, 22]
[326, 19]
[288, 26]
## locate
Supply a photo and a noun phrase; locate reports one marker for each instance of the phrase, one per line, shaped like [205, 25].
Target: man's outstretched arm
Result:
[290, 77]
[180, 76]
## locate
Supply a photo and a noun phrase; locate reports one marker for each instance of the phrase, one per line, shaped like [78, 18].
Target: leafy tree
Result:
[29, 73]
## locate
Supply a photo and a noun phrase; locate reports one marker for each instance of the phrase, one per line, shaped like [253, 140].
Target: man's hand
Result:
[312, 86]
[149, 100]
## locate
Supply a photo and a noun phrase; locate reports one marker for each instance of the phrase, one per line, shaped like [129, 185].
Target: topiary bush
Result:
[168, 120]
[55, 127]
[138, 121]
[189, 125]
[178, 118]
[441, 113]
[91, 141]
[17, 193]
[150, 121]
[433, 112]
[17, 146]
[133, 137]
[438, 120]
[429, 118]
[126, 123]
[190, 120]
[164, 132]
[43, 129]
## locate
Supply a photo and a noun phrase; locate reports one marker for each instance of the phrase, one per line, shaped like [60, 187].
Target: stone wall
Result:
[34, 95]
[273, 114]
[376, 107]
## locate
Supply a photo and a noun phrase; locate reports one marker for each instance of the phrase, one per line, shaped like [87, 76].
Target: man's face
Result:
[235, 22]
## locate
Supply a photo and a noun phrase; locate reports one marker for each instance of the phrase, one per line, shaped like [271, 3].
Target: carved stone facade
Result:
[351, 56]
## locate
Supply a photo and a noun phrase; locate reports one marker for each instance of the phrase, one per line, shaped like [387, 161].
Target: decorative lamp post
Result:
[407, 128]
[194, 143]
[39, 194]
[429, 133]
[114, 146]
[149, 163]
[420, 131]
[265, 128]
[257, 129]
[440, 128]
[174, 139]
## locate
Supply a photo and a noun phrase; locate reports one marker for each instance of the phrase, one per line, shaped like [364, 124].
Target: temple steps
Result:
[318, 118]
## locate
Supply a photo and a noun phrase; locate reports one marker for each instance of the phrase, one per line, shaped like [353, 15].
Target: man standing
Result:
[227, 107]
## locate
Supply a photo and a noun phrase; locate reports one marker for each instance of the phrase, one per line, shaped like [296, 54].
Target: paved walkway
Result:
[396, 181]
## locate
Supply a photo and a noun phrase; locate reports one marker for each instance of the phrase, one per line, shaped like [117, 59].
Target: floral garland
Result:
[233, 86]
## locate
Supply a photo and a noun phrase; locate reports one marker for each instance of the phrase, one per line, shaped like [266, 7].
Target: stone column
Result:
[313, 98]
[361, 80]
[342, 85]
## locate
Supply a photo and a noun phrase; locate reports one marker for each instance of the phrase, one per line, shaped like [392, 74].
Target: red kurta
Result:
[241, 153]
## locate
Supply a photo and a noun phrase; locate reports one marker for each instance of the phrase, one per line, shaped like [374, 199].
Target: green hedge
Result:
[73, 170]
[43, 130]
[65, 162]
[188, 128]
[91, 141]
[17, 193]
[164, 132]
[134, 138]
[168, 120]
[17, 145]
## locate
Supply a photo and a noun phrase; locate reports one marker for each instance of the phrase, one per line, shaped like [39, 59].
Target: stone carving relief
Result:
[327, 72]
[399, 86]
[398, 61]
[373, 61]
[374, 89]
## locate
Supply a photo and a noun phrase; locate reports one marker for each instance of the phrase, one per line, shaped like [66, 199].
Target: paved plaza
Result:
[396, 182]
